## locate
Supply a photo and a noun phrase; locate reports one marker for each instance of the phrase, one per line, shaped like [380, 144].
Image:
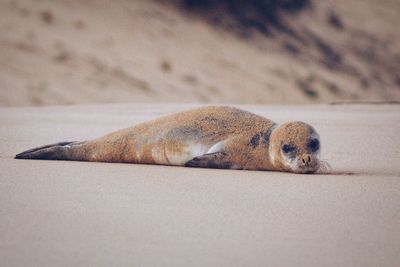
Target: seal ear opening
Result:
[56, 151]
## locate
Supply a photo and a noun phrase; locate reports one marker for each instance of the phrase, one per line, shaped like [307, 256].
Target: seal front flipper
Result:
[217, 160]
[58, 151]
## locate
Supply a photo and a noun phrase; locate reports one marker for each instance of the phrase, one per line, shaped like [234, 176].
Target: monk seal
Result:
[209, 137]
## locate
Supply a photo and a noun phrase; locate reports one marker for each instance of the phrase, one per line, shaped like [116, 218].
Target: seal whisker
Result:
[324, 167]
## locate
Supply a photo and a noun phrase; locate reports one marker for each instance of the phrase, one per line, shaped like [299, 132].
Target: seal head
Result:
[295, 147]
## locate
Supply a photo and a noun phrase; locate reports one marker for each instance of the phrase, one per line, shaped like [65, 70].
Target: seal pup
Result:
[209, 137]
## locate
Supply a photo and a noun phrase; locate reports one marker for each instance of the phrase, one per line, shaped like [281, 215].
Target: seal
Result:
[209, 137]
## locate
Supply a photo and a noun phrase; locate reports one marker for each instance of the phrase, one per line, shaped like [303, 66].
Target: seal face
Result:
[295, 148]
[208, 137]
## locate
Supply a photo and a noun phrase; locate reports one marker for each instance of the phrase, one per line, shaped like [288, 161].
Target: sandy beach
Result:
[59, 213]
[73, 70]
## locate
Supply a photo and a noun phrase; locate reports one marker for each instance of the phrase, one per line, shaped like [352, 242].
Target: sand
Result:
[59, 213]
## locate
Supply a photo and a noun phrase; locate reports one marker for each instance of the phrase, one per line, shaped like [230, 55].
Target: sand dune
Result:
[57, 213]
[68, 52]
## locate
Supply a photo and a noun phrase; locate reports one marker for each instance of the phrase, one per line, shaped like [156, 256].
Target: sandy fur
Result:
[177, 138]
[216, 137]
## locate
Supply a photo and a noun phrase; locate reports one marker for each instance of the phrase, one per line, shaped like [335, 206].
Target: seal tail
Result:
[58, 151]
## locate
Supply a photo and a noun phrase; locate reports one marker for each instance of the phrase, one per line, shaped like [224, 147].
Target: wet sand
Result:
[59, 213]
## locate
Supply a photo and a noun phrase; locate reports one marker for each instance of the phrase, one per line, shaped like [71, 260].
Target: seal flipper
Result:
[217, 160]
[58, 151]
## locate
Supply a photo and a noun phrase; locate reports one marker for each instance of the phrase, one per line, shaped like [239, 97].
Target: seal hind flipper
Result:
[57, 151]
[217, 160]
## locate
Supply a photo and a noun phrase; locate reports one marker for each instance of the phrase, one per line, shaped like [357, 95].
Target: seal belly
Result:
[177, 153]
[177, 145]
[187, 153]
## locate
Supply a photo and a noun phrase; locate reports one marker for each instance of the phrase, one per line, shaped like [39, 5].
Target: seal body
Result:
[213, 137]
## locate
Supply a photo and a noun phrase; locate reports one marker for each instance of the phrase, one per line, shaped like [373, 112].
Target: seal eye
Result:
[314, 145]
[288, 149]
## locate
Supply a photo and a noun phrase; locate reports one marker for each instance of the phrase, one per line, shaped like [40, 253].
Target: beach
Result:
[62, 213]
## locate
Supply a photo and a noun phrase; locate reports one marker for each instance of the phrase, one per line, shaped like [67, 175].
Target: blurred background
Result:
[190, 51]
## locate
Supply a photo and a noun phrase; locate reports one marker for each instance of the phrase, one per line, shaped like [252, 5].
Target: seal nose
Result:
[305, 160]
